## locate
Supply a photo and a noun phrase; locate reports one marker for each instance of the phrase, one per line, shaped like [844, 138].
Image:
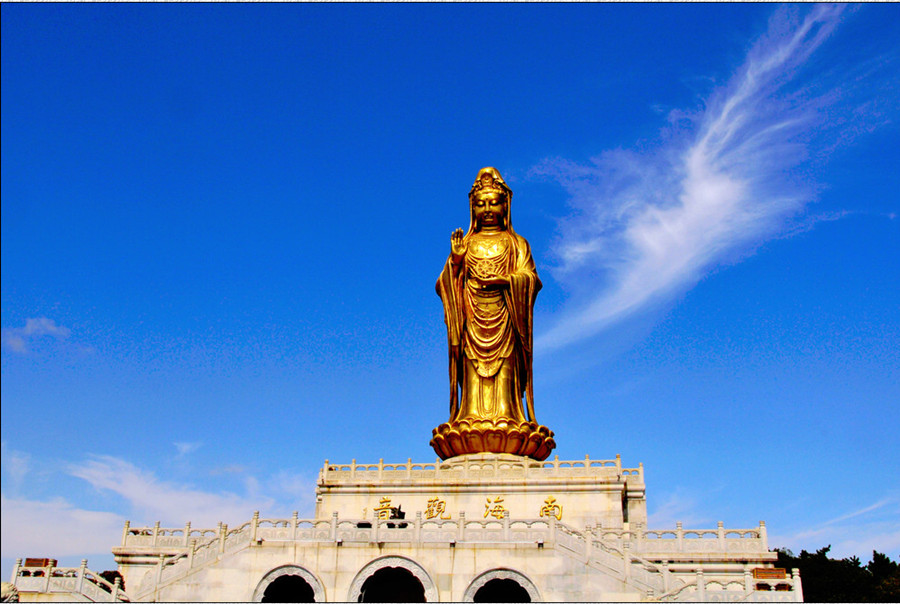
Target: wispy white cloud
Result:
[153, 499]
[14, 466]
[16, 339]
[650, 223]
[869, 508]
[61, 527]
[297, 490]
[55, 528]
[873, 527]
[677, 507]
[185, 448]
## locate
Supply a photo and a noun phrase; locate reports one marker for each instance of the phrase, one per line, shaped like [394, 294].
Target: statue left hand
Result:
[489, 281]
[495, 282]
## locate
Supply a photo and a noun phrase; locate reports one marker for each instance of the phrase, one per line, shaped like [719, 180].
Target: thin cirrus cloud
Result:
[873, 527]
[649, 224]
[152, 499]
[65, 528]
[17, 339]
[186, 448]
[35, 528]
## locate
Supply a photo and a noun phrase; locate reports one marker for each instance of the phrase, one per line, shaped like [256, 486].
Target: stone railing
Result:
[691, 541]
[64, 580]
[703, 587]
[156, 536]
[632, 555]
[480, 468]
[336, 530]
[615, 561]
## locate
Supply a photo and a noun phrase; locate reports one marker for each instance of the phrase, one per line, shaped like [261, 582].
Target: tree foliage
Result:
[845, 580]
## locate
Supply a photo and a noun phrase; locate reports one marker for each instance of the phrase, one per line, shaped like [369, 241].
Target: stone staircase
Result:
[65, 584]
[625, 555]
[641, 575]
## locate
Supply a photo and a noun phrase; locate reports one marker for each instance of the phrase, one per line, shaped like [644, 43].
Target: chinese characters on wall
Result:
[436, 507]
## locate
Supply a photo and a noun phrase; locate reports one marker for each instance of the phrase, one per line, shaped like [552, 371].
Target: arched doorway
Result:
[501, 590]
[392, 579]
[392, 585]
[289, 583]
[501, 585]
[289, 588]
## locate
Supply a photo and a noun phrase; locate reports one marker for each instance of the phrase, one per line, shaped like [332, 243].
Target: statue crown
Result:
[489, 181]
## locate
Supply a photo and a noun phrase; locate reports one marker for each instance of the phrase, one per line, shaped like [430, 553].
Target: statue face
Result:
[491, 210]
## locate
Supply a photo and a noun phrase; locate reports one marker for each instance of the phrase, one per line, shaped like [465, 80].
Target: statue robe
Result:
[489, 333]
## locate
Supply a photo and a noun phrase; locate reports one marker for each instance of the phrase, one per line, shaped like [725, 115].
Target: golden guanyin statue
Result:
[488, 288]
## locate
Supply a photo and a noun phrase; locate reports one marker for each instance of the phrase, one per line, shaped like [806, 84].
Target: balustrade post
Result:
[325, 472]
[15, 573]
[637, 536]
[588, 542]
[353, 468]
[418, 529]
[117, 585]
[223, 532]
[334, 525]
[665, 575]
[797, 587]
[159, 569]
[47, 578]
[81, 570]
[720, 535]
[461, 526]
[125, 532]
[187, 533]
[380, 468]
[376, 523]
[618, 464]
[155, 533]
[191, 551]
[763, 535]
[294, 517]
[626, 557]
[701, 586]
[409, 467]
[748, 580]
[506, 525]
[254, 527]
[679, 535]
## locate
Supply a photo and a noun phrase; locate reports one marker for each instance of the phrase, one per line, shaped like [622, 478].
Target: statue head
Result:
[489, 201]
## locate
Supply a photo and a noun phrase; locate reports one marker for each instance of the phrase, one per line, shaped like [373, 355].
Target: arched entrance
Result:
[501, 585]
[289, 588]
[392, 585]
[289, 583]
[392, 579]
[501, 590]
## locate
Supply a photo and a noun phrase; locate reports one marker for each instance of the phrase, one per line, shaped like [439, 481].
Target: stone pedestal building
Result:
[483, 527]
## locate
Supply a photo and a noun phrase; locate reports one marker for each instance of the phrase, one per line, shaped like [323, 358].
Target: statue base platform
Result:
[472, 436]
[480, 527]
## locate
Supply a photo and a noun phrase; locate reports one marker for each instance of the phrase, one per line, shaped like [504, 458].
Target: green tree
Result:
[843, 580]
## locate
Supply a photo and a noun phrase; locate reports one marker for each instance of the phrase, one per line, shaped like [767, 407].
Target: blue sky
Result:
[222, 224]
